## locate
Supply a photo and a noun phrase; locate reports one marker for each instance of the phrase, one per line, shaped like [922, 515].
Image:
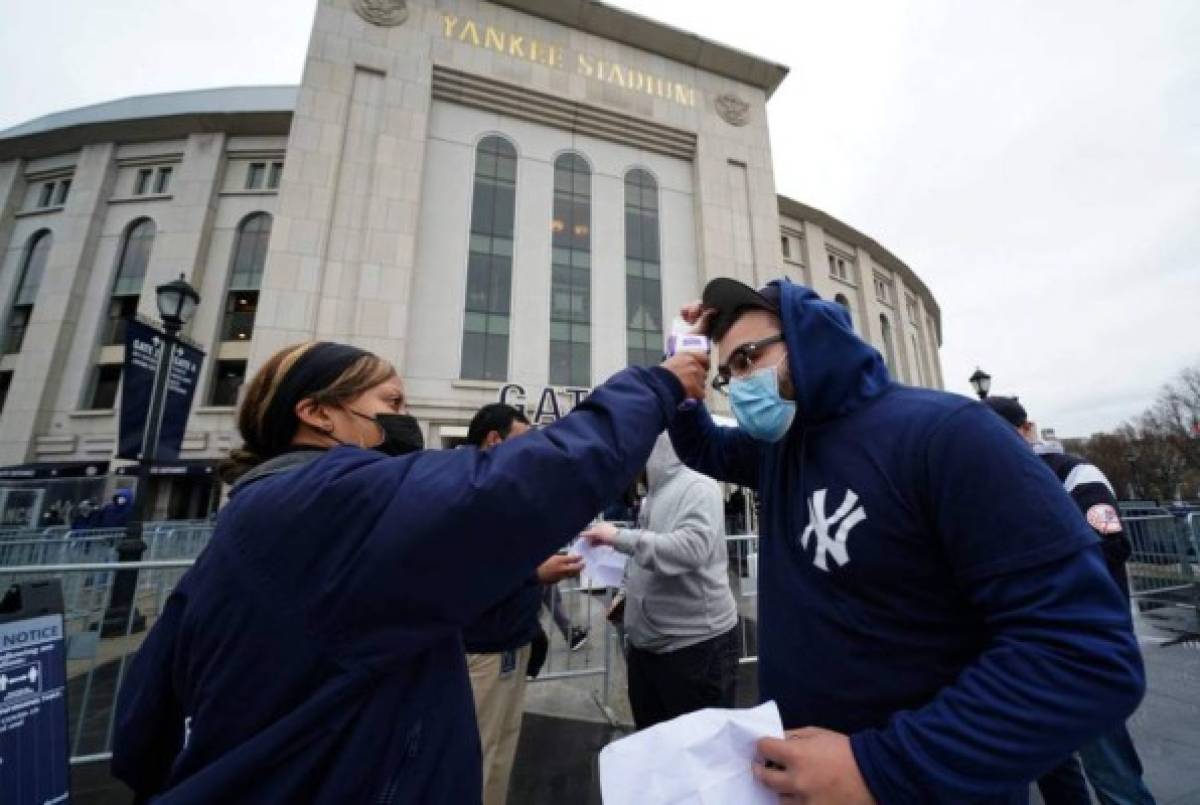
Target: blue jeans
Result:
[1114, 769]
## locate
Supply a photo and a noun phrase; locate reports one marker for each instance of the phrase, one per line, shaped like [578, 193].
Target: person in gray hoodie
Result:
[680, 615]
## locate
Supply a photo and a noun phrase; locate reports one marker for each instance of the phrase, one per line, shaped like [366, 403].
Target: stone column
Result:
[51, 331]
[343, 246]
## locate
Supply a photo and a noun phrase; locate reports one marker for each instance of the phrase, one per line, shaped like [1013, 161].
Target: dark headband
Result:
[316, 369]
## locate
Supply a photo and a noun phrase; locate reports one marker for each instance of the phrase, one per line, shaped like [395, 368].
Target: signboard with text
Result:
[142, 348]
[34, 752]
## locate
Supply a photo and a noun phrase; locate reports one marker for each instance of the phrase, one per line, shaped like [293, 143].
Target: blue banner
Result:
[142, 347]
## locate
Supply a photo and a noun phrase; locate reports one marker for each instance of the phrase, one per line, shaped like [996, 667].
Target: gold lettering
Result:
[449, 23]
[494, 39]
[472, 31]
[618, 75]
[535, 50]
[662, 89]
[685, 95]
[516, 46]
[585, 67]
[637, 80]
[555, 57]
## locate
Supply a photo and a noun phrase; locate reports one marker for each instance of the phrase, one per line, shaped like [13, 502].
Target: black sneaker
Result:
[578, 638]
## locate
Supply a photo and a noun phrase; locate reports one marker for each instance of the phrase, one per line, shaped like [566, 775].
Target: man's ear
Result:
[315, 415]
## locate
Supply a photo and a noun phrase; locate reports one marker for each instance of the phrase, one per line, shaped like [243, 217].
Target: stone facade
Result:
[371, 221]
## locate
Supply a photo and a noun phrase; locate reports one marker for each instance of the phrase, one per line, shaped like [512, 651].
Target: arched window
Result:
[918, 359]
[889, 348]
[241, 304]
[643, 270]
[131, 275]
[245, 276]
[845, 303]
[571, 273]
[489, 264]
[33, 267]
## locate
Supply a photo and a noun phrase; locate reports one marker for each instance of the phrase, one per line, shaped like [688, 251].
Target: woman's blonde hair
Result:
[268, 423]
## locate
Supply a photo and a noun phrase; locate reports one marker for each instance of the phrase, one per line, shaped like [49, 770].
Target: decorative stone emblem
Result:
[386, 13]
[733, 110]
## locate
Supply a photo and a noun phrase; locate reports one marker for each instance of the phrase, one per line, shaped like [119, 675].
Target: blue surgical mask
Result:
[760, 409]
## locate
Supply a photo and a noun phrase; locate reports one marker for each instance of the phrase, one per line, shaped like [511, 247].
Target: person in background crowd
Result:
[116, 514]
[314, 651]
[679, 613]
[500, 641]
[928, 636]
[1111, 761]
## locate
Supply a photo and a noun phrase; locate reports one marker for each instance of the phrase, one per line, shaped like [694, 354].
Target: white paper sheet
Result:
[702, 758]
[603, 566]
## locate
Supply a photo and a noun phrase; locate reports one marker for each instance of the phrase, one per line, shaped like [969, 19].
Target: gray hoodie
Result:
[677, 582]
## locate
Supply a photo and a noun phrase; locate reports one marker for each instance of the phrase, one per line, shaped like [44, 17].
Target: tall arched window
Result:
[33, 267]
[241, 305]
[571, 273]
[889, 348]
[918, 360]
[131, 275]
[643, 270]
[245, 276]
[489, 264]
[845, 303]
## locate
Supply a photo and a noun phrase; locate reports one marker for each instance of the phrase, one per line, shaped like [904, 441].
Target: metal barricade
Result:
[96, 666]
[743, 580]
[1163, 570]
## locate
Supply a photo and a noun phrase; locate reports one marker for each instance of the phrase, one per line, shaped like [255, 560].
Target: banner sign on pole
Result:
[142, 346]
[34, 754]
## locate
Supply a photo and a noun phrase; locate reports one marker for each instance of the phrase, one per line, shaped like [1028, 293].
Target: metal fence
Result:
[1163, 567]
[96, 665]
[743, 579]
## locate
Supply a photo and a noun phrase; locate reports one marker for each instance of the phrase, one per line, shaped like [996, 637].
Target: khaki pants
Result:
[499, 706]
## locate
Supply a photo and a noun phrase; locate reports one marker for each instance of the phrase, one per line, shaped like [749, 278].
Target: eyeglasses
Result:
[741, 361]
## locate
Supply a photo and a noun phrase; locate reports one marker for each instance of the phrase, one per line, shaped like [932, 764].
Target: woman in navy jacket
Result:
[313, 654]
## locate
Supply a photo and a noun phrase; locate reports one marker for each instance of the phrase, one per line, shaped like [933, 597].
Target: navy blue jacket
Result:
[507, 625]
[313, 653]
[926, 586]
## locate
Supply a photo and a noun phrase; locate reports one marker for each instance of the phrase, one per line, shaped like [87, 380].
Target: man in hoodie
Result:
[929, 635]
[680, 615]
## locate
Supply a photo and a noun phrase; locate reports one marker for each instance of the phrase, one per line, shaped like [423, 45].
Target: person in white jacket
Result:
[680, 615]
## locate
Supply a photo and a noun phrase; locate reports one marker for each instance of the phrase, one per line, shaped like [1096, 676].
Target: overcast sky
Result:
[1037, 164]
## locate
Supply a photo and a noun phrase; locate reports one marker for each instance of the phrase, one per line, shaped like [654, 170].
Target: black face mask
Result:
[401, 433]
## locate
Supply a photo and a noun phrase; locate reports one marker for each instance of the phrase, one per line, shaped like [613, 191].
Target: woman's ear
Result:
[314, 415]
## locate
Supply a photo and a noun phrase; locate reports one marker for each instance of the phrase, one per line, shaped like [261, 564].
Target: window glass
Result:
[570, 272]
[228, 379]
[643, 283]
[256, 175]
[104, 388]
[163, 183]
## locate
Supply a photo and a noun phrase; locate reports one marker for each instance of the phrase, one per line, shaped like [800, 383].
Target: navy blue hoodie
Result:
[926, 586]
[313, 653]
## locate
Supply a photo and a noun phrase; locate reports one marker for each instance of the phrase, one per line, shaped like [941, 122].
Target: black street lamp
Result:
[177, 302]
[981, 381]
[1131, 456]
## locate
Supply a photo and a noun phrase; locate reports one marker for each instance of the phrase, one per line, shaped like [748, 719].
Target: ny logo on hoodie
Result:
[845, 518]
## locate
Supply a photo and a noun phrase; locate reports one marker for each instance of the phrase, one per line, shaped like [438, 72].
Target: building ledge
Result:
[147, 197]
[99, 413]
[38, 211]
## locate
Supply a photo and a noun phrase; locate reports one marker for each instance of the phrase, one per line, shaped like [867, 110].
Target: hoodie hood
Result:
[833, 371]
[663, 464]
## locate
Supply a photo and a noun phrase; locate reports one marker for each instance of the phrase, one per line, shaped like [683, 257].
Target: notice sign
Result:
[33, 711]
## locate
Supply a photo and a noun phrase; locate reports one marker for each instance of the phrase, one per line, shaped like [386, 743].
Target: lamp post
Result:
[177, 302]
[1131, 456]
[981, 381]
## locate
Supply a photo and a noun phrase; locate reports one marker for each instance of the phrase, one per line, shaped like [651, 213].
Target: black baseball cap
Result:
[1009, 408]
[729, 298]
